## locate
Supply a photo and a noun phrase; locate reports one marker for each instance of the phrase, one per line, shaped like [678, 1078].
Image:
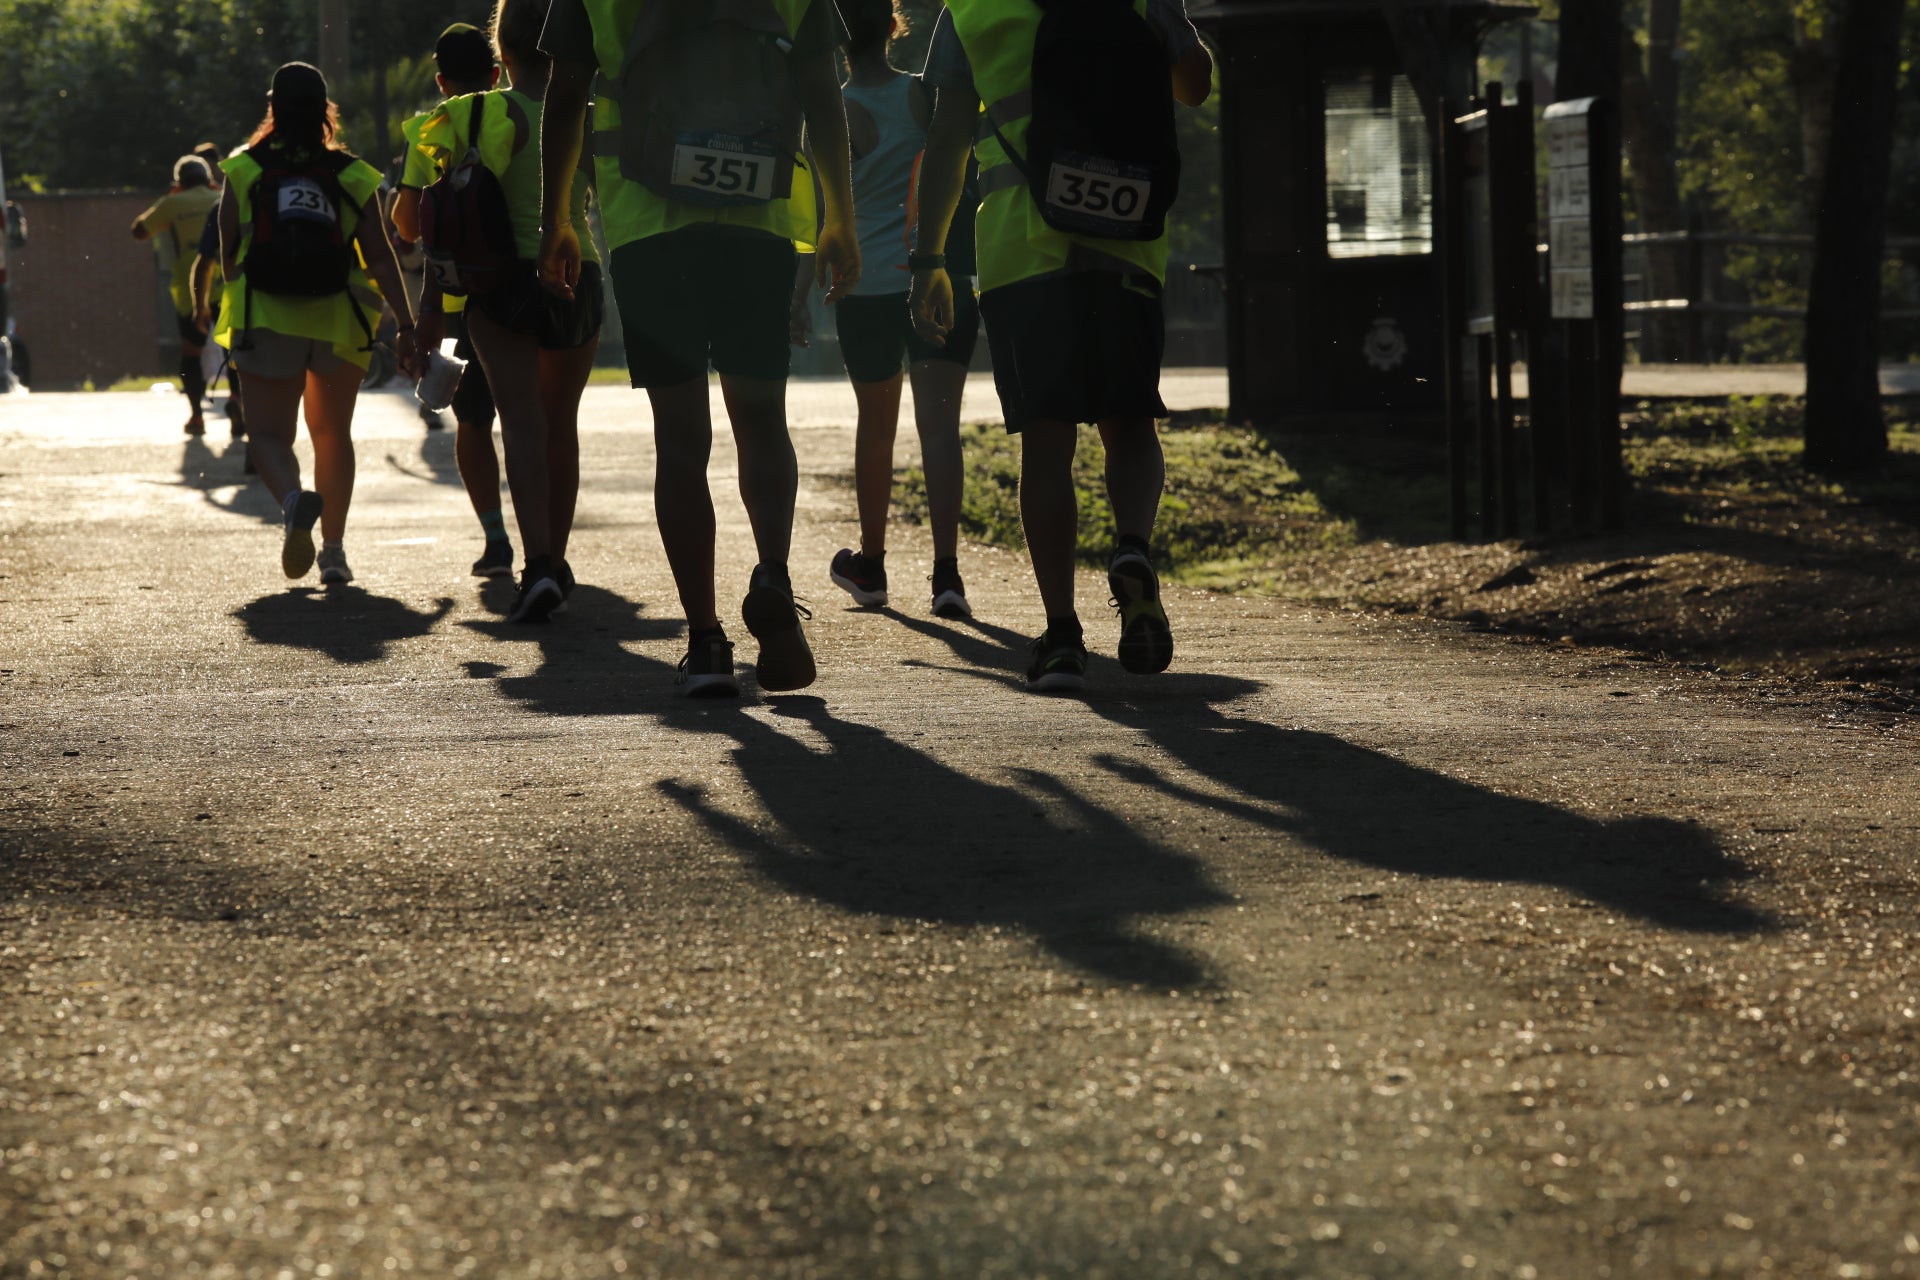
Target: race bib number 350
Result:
[306, 199]
[721, 170]
[1088, 189]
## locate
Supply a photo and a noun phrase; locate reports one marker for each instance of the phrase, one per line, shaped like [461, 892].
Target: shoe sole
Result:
[861, 595]
[538, 604]
[951, 604]
[297, 551]
[785, 661]
[1058, 682]
[332, 578]
[711, 686]
[493, 571]
[1146, 641]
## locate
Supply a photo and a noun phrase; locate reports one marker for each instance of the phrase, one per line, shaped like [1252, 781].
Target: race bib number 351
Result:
[717, 170]
[1088, 189]
[306, 199]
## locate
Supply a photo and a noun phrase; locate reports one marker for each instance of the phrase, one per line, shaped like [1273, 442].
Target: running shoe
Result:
[333, 567]
[949, 593]
[1058, 666]
[707, 670]
[296, 548]
[773, 616]
[862, 577]
[196, 425]
[1146, 642]
[496, 560]
[539, 592]
[564, 575]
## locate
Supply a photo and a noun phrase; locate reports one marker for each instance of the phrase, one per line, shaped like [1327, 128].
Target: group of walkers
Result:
[735, 173]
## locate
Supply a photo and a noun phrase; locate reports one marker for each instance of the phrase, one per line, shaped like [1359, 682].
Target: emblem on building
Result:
[1386, 345]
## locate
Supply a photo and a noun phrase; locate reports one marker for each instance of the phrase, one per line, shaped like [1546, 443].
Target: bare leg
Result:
[769, 474]
[563, 377]
[1049, 510]
[272, 410]
[937, 386]
[1136, 473]
[330, 399]
[512, 362]
[878, 421]
[682, 503]
[479, 468]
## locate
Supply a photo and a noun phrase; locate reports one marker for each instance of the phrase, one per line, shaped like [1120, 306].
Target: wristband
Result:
[926, 262]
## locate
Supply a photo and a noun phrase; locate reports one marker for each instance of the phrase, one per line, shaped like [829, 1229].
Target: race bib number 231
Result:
[306, 199]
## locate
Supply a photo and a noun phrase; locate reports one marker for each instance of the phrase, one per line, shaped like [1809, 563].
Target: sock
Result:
[1066, 630]
[193, 381]
[878, 559]
[332, 544]
[946, 562]
[778, 572]
[1133, 542]
[697, 634]
[494, 522]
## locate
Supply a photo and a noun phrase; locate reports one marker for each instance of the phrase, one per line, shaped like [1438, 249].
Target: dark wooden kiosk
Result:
[1327, 119]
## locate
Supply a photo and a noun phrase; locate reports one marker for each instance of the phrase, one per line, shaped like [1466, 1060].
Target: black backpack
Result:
[465, 227]
[300, 246]
[1102, 155]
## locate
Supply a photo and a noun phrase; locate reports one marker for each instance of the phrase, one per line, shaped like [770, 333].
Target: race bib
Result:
[1090, 188]
[305, 199]
[717, 168]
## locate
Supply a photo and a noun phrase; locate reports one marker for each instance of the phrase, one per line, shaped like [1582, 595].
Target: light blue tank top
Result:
[883, 184]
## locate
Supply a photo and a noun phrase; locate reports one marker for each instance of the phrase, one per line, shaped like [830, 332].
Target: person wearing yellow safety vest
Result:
[305, 347]
[695, 145]
[173, 222]
[1074, 321]
[464, 64]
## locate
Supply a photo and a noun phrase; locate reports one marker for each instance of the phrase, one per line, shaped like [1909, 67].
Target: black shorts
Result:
[523, 305]
[473, 398]
[704, 295]
[191, 334]
[877, 337]
[1084, 346]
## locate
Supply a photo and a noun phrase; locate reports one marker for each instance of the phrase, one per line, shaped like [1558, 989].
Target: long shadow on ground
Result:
[348, 624]
[1370, 809]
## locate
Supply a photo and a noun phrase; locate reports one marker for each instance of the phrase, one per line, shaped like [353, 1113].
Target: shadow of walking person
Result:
[1040, 859]
[585, 667]
[1368, 808]
[218, 478]
[347, 623]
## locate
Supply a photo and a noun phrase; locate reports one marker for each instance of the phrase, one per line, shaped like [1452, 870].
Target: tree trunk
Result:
[1845, 429]
[1649, 105]
[1812, 70]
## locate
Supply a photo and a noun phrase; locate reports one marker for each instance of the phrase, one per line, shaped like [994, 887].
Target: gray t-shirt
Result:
[947, 66]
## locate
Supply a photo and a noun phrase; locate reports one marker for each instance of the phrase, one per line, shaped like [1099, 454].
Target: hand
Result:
[836, 260]
[559, 261]
[428, 333]
[203, 318]
[799, 322]
[931, 303]
[406, 352]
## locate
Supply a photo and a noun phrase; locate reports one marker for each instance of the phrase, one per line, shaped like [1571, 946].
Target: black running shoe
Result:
[862, 577]
[707, 670]
[1058, 666]
[1146, 642]
[539, 592]
[296, 548]
[773, 616]
[565, 574]
[496, 559]
[949, 593]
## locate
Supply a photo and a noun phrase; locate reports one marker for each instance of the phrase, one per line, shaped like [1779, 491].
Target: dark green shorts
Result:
[704, 296]
[1084, 346]
[877, 337]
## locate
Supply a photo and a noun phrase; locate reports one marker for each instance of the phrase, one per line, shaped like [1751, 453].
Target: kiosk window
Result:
[1379, 169]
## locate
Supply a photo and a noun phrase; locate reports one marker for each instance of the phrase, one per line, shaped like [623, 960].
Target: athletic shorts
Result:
[262, 353]
[191, 334]
[523, 305]
[704, 295]
[1083, 346]
[877, 337]
[473, 397]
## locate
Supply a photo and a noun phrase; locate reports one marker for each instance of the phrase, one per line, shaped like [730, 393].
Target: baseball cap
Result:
[463, 53]
[297, 86]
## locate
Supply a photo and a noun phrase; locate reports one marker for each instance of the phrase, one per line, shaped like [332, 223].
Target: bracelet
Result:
[926, 262]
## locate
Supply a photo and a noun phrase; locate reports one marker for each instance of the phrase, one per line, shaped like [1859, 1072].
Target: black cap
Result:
[463, 53]
[298, 87]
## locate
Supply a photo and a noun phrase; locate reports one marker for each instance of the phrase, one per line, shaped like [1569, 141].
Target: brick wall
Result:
[88, 299]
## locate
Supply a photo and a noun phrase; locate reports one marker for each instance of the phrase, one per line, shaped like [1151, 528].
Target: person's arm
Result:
[1193, 76]
[377, 250]
[943, 173]
[201, 282]
[406, 214]
[141, 231]
[229, 235]
[430, 327]
[563, 124]
[816, 82]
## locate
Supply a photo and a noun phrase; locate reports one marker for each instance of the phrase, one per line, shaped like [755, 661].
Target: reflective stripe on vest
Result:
[1015, 242]
[628, 210]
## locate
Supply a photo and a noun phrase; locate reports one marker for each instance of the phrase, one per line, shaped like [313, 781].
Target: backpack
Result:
[708, 111]
[1102, 155]
[300, 246]
[465, 227]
